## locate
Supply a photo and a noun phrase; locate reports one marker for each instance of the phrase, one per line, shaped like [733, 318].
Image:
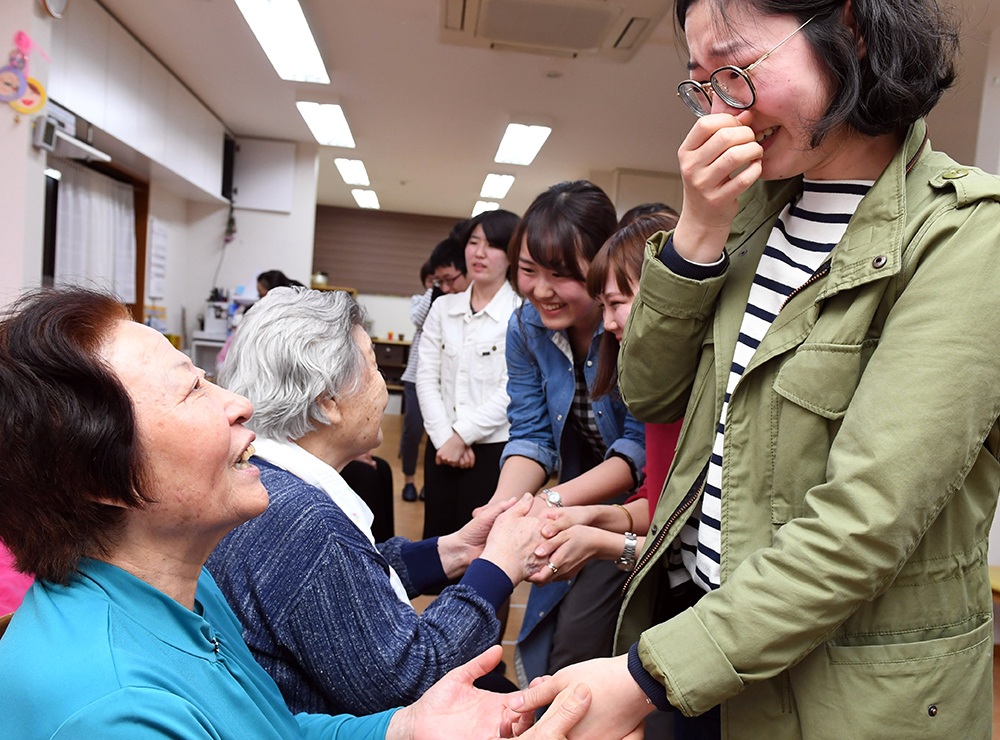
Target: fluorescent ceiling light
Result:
[484, 205]
[496, 186]
[521, 143]
[353, 171]
[366, 198]
[54, 174]
[284, 35]
[327, 123]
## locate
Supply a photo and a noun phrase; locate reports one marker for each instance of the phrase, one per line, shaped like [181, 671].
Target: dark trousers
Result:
[452, 493]
[413, 429]
[587, 615]
[374, 486]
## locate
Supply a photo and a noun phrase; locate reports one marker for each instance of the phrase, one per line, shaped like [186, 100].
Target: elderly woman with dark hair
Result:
[121, 470]
[325, 611]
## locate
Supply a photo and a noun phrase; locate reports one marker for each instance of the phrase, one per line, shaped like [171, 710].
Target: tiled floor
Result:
[409, 520]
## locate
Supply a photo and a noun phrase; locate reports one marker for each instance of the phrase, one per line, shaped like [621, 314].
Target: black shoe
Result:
[423, 496]
[409, 492]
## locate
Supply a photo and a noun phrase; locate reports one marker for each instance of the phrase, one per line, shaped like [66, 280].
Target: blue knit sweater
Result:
[320, 615]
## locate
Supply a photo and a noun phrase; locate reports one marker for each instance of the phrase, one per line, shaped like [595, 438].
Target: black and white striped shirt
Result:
[800, 241]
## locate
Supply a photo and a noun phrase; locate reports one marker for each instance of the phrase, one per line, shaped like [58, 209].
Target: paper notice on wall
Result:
[157, 258]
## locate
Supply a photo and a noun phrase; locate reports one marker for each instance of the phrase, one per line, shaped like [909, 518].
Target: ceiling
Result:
[427, 116]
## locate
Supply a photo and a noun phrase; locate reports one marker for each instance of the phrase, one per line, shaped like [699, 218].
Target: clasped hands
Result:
[453, 707]
[539, 543]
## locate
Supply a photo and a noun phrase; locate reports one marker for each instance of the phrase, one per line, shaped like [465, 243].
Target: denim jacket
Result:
[541, 385]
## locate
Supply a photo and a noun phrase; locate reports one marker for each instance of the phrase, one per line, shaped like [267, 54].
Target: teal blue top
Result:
[111, 657]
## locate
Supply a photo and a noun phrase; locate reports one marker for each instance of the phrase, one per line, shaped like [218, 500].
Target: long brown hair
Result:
[620, 256]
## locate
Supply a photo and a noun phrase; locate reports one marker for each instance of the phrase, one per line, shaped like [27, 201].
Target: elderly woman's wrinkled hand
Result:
[512, 541]
[472, 536]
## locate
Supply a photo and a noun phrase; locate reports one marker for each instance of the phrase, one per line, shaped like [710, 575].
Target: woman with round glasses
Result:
[816, 566]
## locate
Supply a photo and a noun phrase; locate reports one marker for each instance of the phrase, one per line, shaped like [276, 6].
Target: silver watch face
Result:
[554, 498]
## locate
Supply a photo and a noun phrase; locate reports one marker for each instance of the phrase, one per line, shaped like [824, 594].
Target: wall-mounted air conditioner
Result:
[564, 28]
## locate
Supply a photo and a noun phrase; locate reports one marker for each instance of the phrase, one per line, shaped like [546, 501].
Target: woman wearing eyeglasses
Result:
[816, 566]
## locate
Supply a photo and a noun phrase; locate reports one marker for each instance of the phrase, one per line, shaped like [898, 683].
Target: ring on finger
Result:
[553, 568]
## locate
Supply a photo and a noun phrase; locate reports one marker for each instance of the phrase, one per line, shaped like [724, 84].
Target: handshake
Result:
[530, 541]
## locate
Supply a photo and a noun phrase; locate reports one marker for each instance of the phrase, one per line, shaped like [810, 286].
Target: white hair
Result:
[294, 349]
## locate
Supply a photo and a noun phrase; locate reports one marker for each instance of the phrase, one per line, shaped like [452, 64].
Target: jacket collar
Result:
[495, 309]
[872, 247]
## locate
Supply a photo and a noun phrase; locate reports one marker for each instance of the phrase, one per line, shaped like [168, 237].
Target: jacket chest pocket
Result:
[489, 361]
[812, 391]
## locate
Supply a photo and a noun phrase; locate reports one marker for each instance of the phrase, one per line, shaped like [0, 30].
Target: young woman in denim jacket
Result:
[595, 447]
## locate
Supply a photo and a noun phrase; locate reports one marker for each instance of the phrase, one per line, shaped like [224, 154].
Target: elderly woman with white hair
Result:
[324, 609]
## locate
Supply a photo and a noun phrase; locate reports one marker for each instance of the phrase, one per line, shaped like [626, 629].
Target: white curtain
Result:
[95, 231]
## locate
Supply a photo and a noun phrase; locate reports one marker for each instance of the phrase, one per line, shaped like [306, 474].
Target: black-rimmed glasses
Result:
[732, 84]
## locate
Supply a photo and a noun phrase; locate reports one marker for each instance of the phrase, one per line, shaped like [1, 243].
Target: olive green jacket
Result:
[860, 468]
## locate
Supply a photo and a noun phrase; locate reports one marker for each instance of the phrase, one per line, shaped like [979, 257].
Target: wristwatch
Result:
[627, 560]
[552, 497]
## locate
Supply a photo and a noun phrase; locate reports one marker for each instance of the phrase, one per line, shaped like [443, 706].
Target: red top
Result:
[661, 444]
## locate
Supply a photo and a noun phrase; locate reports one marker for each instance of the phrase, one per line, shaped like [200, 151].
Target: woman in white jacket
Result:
[462, 380]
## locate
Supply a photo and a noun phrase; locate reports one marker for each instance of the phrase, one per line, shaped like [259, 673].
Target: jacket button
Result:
[494, 348]
[954, 174]
[590, 363]
[932, 710]
[652, 530]
[600, 413]
[879, 261]
[559, 418]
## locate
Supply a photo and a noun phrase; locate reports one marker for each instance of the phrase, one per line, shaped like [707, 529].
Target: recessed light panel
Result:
[521, 143]
[353, 171]
[496, 186]
[327, 123]
[484, 205]
[284, 35]
[366, 198]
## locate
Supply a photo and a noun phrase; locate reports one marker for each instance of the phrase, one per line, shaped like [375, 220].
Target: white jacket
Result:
[462, 375]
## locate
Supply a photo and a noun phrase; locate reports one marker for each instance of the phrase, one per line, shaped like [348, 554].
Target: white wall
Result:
[388, 313]
[22, 182]
[100, 72]
[264, 241]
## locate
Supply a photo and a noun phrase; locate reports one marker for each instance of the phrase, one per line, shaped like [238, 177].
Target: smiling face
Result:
[486, 264]
[562, 301]
[793, 85]
[192, 438]
[616, 306]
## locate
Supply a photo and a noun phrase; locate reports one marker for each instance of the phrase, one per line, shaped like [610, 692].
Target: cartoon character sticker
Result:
[33, 99]
[13, 83]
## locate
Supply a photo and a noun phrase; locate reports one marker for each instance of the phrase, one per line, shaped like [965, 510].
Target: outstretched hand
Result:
[618, 706]
[512, 541]
[454, 708]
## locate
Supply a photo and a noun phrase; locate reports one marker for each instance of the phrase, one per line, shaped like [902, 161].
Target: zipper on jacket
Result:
[692, 496]
[822, 271]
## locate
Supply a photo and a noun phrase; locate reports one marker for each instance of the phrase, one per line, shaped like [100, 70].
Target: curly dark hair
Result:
[907, 64]
[69, 431]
